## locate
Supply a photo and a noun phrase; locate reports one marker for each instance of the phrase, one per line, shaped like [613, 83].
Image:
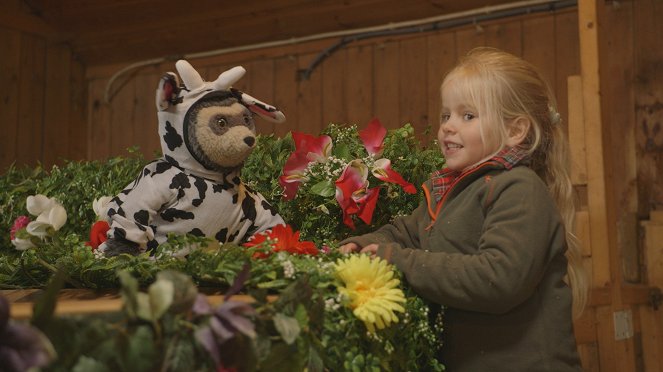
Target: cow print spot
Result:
[180, 182]
[196, 232]
[152, 246]
[249, 208]
[120, 233]
[142, 217]
[162, 167]
[172, 138]
[221, 235]
[201, 185]
[268, 207]
[171, 214]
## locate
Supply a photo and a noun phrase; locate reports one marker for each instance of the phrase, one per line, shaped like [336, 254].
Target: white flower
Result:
[50, 215]
[22, 244]
[100, 206]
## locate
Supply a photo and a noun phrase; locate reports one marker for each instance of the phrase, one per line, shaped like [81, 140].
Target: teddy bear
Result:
[207, 130]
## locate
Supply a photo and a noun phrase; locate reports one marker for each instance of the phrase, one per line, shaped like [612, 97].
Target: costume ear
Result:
[517, 131]
[190, 77]
[229, 77]
[258, 107]
[167, 91]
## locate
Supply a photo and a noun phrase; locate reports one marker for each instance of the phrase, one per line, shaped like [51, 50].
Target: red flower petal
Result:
[373, 136]
[368, 205]
[98, 234]
[383, 171]
[315, 148]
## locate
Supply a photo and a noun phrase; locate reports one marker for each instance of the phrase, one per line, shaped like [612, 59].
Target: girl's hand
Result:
[348, 248]
[371, 249]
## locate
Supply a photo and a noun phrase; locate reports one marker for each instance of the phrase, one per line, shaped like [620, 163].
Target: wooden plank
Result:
[334, 78]
[359, 85]
[567, 57]
[56, 105]
[30, 138]
[10, 43]
[441, 59]
[506, 35]
[468, 38]
[386, 85]
[589, 357]
[78, 128]
[122, 133]
[144, 113]
[617, 355]
[285, 77]
[309, 91]
[539, 45]
[652, 321]
[413, 79]
[576, 130]
[582, 232]
[648, 29]
[87, 302]
[262, 88]
[98, 121]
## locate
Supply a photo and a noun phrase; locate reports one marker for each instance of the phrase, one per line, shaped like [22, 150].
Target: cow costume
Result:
[207, 131]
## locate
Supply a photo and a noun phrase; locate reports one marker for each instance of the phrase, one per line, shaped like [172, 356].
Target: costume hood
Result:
[173, 101]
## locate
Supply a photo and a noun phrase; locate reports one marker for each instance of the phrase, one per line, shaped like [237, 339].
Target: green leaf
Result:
[325, 188]
[161, 296]
[287, 326]
[45, 306]
[87, 364]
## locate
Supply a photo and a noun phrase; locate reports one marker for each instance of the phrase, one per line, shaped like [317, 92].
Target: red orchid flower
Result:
[98, 234]
[282, 238]
[373, 138]
[353, 195]
[382, 171]
[307, 149]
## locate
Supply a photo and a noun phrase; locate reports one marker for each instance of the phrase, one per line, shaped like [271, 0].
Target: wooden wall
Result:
[395, 79]
[605, 64]
[43, 97]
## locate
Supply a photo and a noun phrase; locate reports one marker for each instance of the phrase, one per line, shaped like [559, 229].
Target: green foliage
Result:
[315, 211]
[301, 322]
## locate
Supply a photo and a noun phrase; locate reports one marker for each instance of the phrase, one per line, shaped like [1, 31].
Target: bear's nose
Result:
[249, 141]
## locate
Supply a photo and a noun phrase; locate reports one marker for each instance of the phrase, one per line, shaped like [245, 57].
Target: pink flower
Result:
[20, 222]
[307, 149]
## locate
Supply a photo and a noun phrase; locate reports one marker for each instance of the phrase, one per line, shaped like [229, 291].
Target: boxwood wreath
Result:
[304, 316]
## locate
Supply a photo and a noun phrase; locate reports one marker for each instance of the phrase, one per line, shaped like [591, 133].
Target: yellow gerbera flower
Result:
[371, 289]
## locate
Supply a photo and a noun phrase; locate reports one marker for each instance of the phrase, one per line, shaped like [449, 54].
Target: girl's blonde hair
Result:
[503, 88]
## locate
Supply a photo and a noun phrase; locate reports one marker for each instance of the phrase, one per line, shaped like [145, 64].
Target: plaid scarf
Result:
[444, 178]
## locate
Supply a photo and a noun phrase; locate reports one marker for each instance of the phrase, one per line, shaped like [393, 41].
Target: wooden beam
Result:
[614, 355]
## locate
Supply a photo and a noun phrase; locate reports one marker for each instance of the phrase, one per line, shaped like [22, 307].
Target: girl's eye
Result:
[444, 118]
[468, 116]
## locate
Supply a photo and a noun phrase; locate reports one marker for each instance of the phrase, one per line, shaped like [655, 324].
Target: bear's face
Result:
[220, 133]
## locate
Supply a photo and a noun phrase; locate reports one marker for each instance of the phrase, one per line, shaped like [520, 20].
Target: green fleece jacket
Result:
[492, 252]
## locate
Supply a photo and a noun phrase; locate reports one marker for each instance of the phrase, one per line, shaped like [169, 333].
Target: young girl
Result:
[492, 242]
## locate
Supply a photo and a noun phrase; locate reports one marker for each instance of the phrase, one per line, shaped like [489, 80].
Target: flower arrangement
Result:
[305, 314]
[345, 181]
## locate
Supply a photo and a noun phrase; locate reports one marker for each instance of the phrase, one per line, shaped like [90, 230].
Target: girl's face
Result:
[460, 132]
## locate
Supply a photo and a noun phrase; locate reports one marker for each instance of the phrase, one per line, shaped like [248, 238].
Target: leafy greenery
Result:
[315, 211]
[301, 322]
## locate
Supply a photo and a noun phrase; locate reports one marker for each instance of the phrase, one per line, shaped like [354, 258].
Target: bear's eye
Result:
[221, 122]
[247, 120]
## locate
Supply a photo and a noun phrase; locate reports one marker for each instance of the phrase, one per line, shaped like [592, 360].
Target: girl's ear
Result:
[518, 130]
